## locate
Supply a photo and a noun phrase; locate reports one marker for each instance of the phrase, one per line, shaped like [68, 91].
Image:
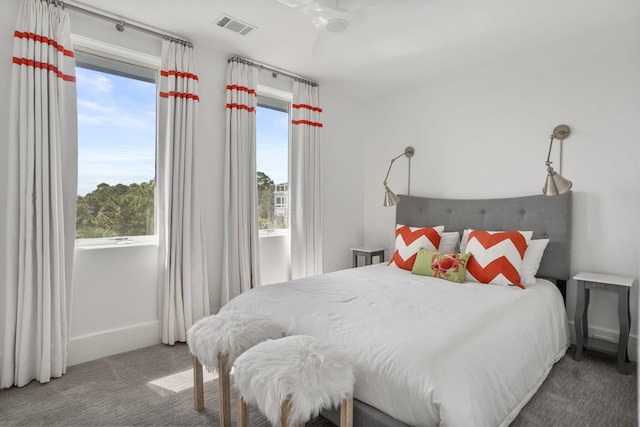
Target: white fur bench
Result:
[292, 379]
[216, 341]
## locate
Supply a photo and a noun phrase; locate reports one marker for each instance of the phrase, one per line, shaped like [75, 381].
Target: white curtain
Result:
[306, 192]
[240, 246]
[41, 205]
[182, 277]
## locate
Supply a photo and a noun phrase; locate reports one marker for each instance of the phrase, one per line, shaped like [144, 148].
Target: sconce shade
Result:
[556, 184]
[390, 198]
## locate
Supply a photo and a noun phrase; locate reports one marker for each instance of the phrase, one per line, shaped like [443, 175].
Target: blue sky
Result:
[117, 125]
[272, 144]
[116, 130]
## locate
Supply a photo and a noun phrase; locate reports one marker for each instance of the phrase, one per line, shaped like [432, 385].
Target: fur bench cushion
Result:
[312, 374]
[230, 333]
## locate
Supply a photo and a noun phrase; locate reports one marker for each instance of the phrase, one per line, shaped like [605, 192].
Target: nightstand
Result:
[368, 254]
[608, 283]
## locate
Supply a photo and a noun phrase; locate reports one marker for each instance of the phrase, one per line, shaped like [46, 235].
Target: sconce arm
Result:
[548, 162]
[389, 170]
[409, 152]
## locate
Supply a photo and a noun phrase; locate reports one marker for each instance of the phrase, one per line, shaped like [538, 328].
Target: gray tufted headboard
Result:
[548, 217]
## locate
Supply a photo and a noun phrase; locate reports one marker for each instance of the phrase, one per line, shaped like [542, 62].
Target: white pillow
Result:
[463, 241]
[531, 262]
[449, 241]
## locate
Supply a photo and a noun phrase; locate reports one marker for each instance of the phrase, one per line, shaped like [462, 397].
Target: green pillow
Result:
[445, 266]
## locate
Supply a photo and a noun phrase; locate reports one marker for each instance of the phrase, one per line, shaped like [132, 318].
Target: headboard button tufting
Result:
[523, 212]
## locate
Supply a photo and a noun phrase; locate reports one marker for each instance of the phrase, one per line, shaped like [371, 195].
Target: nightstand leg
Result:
[623, 339]
[585, 314]
[580, 319]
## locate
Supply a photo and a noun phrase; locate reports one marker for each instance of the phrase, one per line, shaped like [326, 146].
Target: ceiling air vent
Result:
[235, 25]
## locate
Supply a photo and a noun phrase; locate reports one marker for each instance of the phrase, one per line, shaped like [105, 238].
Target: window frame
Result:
[101, 56]
[278, 97]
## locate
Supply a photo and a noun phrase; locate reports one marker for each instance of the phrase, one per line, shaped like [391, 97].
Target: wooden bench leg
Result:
[198, 385]
[225, 390]
[243, 411]
[285, 414]
[346, 413]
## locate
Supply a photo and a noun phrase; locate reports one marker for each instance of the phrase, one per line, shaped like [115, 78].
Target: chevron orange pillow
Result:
[410, 239]
[497, 256]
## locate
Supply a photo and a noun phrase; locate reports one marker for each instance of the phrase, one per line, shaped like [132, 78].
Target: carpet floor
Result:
[153, 387]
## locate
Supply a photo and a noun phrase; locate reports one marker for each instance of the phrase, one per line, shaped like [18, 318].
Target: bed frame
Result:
[548, 217]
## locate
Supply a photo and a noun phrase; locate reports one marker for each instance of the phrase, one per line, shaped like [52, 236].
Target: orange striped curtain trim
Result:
[242, 88]
[44, 66]
[308, 107]
[42, 39]
[241, 107]
[306, 122]
[168, 73]
[179, 95]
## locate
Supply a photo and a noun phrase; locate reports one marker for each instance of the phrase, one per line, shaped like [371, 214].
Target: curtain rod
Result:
[120, 23]
[271, 68]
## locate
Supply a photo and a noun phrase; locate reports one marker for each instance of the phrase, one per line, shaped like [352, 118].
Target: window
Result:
[116, 149]
[272, 162]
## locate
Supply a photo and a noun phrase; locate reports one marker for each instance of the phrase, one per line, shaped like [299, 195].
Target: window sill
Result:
[282, 232]
[91, 244]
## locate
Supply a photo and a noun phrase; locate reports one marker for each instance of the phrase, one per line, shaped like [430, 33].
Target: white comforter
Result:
[427, 351]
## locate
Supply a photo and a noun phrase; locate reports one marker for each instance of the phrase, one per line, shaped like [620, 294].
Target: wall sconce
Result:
[390, 198]
[555, 183]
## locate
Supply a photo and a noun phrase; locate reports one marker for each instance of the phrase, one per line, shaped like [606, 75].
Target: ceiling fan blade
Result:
[323, 14]
[388, 16]
[296, 3]
[344, 17]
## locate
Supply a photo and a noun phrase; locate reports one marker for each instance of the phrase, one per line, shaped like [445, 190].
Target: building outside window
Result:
[281, 201]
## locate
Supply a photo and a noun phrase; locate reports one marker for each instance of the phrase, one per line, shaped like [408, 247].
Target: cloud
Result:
[94, 82]
[92, 114]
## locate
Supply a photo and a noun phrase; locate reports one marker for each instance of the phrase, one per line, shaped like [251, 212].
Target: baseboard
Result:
[608, 335]
[106, 343]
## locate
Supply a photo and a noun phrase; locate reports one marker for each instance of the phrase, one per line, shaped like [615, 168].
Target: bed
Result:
[427, 351]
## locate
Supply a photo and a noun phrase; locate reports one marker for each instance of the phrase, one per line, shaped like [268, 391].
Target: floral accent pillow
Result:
[444, 266]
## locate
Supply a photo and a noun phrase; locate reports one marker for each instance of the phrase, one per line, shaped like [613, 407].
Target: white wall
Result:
[484, 132]
[275, 257]
[114, 305]
[343, 161]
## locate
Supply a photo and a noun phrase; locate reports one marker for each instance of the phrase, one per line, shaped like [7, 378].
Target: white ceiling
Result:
[391, 45]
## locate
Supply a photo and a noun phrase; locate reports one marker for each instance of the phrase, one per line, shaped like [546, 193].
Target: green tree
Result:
[265, 200]
[118, 210]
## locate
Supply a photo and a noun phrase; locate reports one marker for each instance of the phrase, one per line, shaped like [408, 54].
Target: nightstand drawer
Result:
[601, 286]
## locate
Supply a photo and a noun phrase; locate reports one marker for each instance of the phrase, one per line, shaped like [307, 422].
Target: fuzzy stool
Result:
[216, 341]
[292, 379]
